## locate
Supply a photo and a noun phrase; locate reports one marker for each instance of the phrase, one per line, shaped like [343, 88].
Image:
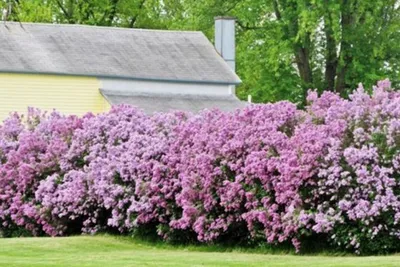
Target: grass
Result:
[107, 251]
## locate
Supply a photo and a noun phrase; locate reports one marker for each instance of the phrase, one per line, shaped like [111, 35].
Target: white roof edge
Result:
[168, 94]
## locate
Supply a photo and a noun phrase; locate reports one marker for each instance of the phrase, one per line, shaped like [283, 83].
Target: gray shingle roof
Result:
[151, 103]
[111, 52]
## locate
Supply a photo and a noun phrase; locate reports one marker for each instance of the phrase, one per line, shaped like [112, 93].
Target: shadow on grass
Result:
[188, 242]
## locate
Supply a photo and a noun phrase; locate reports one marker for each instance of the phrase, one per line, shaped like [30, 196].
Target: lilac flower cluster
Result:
[268, 172]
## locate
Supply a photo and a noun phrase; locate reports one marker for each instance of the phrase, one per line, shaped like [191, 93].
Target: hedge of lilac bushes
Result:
[268, 173]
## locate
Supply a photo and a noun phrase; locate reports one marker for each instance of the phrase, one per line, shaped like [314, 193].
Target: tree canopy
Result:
[284, 47]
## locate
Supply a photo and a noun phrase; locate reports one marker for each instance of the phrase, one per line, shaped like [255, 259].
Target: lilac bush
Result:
[268, 173]
[227, 165]
[356, 197]
[113, 174]
[31, 150]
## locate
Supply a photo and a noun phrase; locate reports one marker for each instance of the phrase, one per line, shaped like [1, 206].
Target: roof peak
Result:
[95, 27]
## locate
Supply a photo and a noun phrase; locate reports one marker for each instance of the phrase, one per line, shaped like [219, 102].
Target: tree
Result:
[121, 13]
[284, 47]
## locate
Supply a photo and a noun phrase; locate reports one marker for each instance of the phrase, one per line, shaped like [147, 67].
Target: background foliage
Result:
[284, 47]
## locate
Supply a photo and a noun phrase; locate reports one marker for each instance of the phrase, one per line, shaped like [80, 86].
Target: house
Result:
[76, 68]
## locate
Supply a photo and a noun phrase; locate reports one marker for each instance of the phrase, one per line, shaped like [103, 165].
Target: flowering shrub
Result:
[267, 173]
[229, 167]
[31, 151]
[356, 197]
[113, 174]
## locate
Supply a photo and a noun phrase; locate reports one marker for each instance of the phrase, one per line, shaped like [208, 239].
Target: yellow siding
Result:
[66, 94]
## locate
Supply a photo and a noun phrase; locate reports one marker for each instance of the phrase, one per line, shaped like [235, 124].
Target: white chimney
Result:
[225, 39]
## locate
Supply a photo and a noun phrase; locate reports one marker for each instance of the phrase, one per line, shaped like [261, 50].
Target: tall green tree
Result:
[284, 47]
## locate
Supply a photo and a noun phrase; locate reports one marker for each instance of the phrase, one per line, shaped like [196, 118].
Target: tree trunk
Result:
[302, 56]
[301, 46]
[330, 55]
[345, 57]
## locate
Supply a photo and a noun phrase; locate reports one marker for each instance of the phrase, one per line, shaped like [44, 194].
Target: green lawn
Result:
[105, 251]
